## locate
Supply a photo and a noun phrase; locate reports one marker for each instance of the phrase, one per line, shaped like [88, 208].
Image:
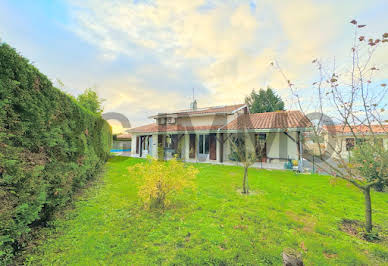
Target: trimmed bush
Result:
[49, 147]
[162, 180]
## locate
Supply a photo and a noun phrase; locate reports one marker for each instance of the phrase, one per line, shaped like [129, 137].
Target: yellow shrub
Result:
[162, 180]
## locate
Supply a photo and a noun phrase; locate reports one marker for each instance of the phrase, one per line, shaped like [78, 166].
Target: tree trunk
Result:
[368, 210]
[245, 187]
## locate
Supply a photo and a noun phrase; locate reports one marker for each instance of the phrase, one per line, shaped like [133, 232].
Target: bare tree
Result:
[357, 103]
[246, 148]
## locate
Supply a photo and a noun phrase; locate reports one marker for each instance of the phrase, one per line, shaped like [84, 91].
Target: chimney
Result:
[193, 105]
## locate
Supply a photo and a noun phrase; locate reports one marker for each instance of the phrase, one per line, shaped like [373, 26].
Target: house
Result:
[343, 138]
[124, 137]
[204, 134]
[121, 143]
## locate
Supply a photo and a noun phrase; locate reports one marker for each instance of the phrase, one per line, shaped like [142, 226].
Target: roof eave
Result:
[240, 108]
[220, 130]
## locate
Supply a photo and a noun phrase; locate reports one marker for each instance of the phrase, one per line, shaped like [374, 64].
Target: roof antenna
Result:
[193, 105]
[193, 94]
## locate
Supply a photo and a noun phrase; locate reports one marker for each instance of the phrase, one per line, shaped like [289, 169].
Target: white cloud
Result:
[227, 45]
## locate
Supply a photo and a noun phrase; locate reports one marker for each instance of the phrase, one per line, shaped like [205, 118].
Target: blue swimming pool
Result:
[119, 150]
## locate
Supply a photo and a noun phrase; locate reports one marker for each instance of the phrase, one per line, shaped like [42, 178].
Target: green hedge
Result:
[49, 147]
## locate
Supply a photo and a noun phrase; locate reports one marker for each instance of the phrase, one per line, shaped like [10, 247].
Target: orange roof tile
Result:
[270, 120]
[358, 129]
[124, 136]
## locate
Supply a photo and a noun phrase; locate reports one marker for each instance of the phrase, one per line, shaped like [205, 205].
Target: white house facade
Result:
[205, 134]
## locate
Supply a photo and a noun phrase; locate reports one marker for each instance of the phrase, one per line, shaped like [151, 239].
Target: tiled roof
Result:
[124, 136]
[358, 129]
[270, 120]
[206, 110]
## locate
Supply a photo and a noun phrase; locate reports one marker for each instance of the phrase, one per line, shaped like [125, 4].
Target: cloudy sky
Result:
[146, 56]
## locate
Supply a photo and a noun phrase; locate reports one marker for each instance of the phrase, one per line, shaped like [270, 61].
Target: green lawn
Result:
[214, 224]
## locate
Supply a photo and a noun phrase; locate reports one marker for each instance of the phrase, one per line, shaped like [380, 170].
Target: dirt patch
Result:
[329, 255]
[251, 192]
[356, 228]
[352, 227]
[240, 226]
[308, 222]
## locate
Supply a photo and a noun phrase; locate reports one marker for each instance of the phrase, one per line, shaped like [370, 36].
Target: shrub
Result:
[162, 180]
[49, 147]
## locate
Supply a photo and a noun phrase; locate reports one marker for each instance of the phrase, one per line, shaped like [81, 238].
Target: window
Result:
[206, 144]
[239, 141]
[203, 143]
[261, 139]
[260, 144]
[349, 144]
[200, 143]
[162, 121]
[168, 144]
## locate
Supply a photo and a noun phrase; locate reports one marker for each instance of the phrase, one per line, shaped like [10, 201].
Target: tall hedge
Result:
[49, 147]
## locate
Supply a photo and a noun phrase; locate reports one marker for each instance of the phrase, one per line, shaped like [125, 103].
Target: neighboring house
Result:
[204, 134]
[124, 137]
[122, 143]
[344, 138]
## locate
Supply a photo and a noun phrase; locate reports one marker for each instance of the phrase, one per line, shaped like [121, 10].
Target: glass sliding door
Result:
[200, 150]
[206, 144]
[203, 143]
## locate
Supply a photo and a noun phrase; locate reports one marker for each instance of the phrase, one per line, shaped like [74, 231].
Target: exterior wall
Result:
[202, 120]
[227, 147]
[207, 120]
[186, 139]
[341, 147]
[133, 144]
[230, 118]
[277, 143]
[278, 146]
[218, 148]
[293, 147]
[154, 148]
[273, 145]
[181, 146]
[250, 143]
[340, 144]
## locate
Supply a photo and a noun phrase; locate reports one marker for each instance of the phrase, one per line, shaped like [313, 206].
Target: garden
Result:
[211, 222]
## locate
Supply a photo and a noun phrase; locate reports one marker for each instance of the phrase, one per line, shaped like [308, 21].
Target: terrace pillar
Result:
[197, 146]
[218, 147]
[133, 144]
[154, 148]
[300, 164]
[186, 146]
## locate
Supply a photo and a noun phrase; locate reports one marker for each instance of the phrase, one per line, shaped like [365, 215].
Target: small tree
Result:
[247, 150]
[264, 101]
[357, 103]
[89, 99]
[162, 180]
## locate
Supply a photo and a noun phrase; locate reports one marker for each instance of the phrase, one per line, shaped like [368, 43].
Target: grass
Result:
[214, 224]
